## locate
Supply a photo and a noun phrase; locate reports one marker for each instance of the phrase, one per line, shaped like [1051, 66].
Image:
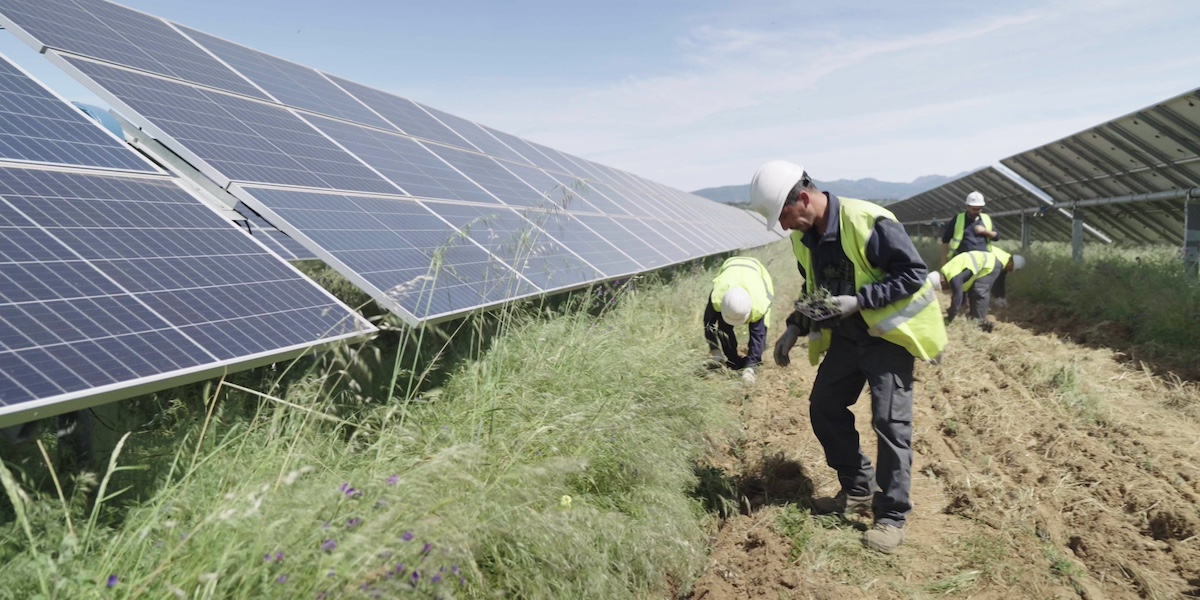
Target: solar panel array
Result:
[1128, 176]
[430, 213]
[115, 280]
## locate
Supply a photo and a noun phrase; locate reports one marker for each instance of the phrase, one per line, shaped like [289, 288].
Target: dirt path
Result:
[1043, 469]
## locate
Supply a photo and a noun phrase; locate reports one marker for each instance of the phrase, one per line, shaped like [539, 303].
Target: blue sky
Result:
[699, 93]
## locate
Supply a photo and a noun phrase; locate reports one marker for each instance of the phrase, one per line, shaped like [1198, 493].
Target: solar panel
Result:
[528, 249]
[406, 257]
[243, 139]
[620, 235]
[288, 82]
[491, 176]
[402, 113]
[108, 282]
[406, 163]
[117, 34]
[473, 133]
[591, 246]
[37, 126]
[277, 241]
[353, 174]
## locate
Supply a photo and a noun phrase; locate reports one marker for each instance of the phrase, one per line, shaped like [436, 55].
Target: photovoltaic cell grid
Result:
[421, 265]
[245, 140]
[37, 126]
[235, 139]
[108, 281]
[114, 33]
[279, 242]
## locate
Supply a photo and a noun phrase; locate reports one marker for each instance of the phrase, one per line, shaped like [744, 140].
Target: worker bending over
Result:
[879, 316]
[742, 294]
[972, 274]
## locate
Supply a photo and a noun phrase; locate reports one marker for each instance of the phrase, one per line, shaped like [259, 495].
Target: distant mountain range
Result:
[880, 192]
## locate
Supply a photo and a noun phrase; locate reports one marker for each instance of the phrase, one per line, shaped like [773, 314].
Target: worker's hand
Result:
[981, 230]
[949, 320]
[785, 344]
[748, 375]
[846, 305]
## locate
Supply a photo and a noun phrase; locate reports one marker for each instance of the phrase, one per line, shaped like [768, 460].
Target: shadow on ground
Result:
[776, 481]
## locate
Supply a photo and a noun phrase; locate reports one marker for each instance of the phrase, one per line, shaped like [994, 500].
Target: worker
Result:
[884, 315]
[973, 273]
[969, 230]
[742, 295]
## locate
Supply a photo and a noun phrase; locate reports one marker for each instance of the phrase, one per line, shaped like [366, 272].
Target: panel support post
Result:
[1026, 231]
[1191, 234]
[1077, 234]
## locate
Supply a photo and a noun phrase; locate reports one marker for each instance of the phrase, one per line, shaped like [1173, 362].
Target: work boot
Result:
[843, 503]
[883, 538]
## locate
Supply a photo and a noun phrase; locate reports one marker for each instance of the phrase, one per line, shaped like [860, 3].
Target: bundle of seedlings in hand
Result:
[818, 305]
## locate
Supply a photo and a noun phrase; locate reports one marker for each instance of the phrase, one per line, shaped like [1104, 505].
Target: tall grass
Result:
[559, 464]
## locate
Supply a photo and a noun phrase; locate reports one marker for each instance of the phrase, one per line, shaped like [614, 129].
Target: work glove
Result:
[846, 305]
[785, 344]
[949, 319]
[748, 376]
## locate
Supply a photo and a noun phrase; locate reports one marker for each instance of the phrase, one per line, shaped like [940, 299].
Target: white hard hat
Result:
[935, 279]
[1018, 262]
[735, 306]
[770, 188]
[974, 199]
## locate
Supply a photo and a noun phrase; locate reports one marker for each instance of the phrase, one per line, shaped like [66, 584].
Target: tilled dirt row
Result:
[1043, 469]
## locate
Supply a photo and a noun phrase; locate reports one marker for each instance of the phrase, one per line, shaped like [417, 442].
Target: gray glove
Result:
[785, 344]
[748, 376]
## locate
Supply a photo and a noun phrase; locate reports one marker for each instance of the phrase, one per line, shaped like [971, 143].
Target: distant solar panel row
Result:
[431, 213]
[117, 281]
[1153, 150]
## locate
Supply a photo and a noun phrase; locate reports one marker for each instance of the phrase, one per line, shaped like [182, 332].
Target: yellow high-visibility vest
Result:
[749, 274]
[914, 322]
[978, 262]
[960, 223]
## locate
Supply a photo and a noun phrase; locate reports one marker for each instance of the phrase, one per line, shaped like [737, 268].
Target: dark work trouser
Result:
[980, 293]
[888, 370]
[720, 334]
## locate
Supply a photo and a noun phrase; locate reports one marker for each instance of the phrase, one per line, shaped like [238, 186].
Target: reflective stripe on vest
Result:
[960, 224]
[917, 305]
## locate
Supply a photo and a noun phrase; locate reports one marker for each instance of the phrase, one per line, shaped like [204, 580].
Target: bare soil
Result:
[1043, 469]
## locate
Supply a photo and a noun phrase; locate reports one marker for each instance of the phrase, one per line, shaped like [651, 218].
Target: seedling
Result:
[818, 305]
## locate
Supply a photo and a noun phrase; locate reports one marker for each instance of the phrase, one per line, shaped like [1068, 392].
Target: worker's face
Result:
[797, 215]
[973, 211]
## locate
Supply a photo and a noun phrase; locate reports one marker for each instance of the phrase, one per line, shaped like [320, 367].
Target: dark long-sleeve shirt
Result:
[970, 240]
[721, 334]
[888, 248]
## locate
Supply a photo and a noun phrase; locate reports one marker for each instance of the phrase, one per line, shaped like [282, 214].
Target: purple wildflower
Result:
[329, 545]
[407, 536]
[349, 492]
[436, 579]
[416, 577]
[281, 579]
[331, 574]
[462, 581]
[279, 557]
[454, 570]
[393, 480]
[113, 581]
[353, 522]
[267, 557]
[400, 568]
[427, 548]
